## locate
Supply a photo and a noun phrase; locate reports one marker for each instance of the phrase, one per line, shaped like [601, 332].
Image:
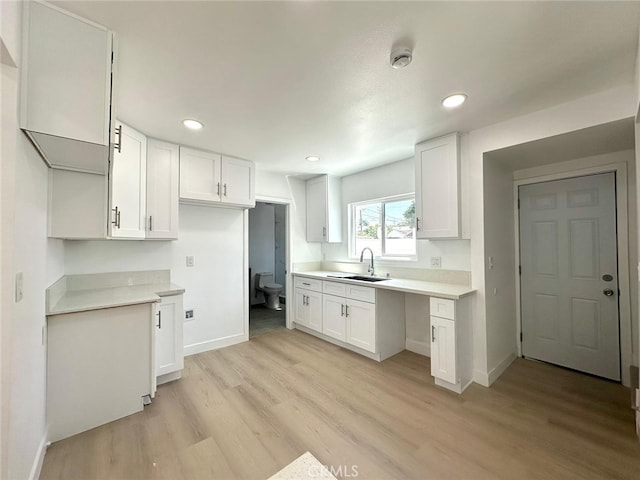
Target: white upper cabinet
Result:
[210, 178]
[199, 175]
[128, 184]
[67, 88]
[162, 190]
[238, 182]
[438, 188]
[324, 218]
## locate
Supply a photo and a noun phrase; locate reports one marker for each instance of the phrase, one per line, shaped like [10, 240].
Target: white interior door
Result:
[569, 277]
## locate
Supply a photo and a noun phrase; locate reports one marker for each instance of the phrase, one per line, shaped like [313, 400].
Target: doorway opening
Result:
[268, 233]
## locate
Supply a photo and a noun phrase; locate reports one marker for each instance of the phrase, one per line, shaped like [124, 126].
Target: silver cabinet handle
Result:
[118, 146]
[218, 192]
[433, 333]
[159, 319]
[116, 218]
[342, 310]
[346, 310]
[417, 224]
[150, 223]
[305, 283]
[324, 231]
[225, 189]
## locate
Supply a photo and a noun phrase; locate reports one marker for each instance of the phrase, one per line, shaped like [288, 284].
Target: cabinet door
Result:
[238, 180]
[66, 78]
[443, 349]
[438, 188]
[361, 324]
[128, 181]
[314, 304]
[169, 349]
[162, 190]
[317, 209]
[302, 312]
[200, 175]
[333, 319]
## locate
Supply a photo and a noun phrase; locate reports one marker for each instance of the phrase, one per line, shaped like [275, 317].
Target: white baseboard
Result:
[481, 378]
[39, 460]
[499, 369]
[214, 344]
[486, 379]
[416, 346]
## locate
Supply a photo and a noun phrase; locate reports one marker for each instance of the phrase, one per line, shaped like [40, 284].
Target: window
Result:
[386, 226]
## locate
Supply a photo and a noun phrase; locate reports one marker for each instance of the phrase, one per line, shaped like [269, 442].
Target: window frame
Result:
[382, 201]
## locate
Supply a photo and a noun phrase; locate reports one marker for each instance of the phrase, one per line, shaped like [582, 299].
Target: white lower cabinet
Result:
[451, 349]
[309, 309]
[361, 324]
[334, 323]
[443, 349]
[361, 318]
[169, 350]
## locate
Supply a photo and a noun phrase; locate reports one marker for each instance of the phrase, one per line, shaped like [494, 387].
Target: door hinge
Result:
[518, 204]
[520, 337]
[519, 269]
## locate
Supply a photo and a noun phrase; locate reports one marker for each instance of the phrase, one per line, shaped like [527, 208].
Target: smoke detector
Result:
[400, 58]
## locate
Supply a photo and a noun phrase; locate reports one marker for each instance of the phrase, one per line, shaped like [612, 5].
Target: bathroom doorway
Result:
[267, 267]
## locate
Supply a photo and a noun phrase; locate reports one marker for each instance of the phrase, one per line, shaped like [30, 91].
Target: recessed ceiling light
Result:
[454, 100]
[192, 124]
[313, 158]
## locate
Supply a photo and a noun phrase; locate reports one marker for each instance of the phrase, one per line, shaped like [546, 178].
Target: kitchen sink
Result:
[365, 279]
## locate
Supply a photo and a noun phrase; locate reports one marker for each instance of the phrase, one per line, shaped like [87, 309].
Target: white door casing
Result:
[567, 245]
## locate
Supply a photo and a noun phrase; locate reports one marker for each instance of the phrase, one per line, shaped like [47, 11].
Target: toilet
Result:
[271, 290]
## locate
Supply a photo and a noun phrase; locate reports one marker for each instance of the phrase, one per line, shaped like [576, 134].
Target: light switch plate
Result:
[189, 314]
[436, 262]
[19, 287]
[191, 261]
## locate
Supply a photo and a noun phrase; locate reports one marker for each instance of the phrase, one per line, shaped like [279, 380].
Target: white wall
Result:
[26, 249]
[214, 286]
[277, 187]
[499, 241]
[585, 112]
[262, 245]
[388, 180]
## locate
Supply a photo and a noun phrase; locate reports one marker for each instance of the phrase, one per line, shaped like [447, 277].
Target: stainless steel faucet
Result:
[371, 269]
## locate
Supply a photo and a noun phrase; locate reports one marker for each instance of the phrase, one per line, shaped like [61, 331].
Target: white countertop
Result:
[434, 289]
[97, 298]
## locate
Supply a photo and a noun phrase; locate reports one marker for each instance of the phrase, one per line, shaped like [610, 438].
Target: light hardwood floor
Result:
[247, 411]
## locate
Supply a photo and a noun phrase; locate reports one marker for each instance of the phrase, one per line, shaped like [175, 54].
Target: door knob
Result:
[608, 292]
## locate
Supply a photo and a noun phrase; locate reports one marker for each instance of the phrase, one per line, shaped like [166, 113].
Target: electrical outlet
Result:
[188, 315]
[191, 261]
[19, 287]
[436, 262]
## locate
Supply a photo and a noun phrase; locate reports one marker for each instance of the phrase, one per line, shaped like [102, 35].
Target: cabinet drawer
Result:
[364, 294]
[441, 307]
[334, 288]
[308, 284]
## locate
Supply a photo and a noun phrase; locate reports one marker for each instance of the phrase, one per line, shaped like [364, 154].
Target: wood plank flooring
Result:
[248, 410]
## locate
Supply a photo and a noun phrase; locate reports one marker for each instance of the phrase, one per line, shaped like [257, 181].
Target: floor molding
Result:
[416, 346]
[495, 372]
[214, 344]
[36, 468]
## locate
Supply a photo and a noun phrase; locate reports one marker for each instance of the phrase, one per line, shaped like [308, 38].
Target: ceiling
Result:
[275, 82]
[597, 140]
